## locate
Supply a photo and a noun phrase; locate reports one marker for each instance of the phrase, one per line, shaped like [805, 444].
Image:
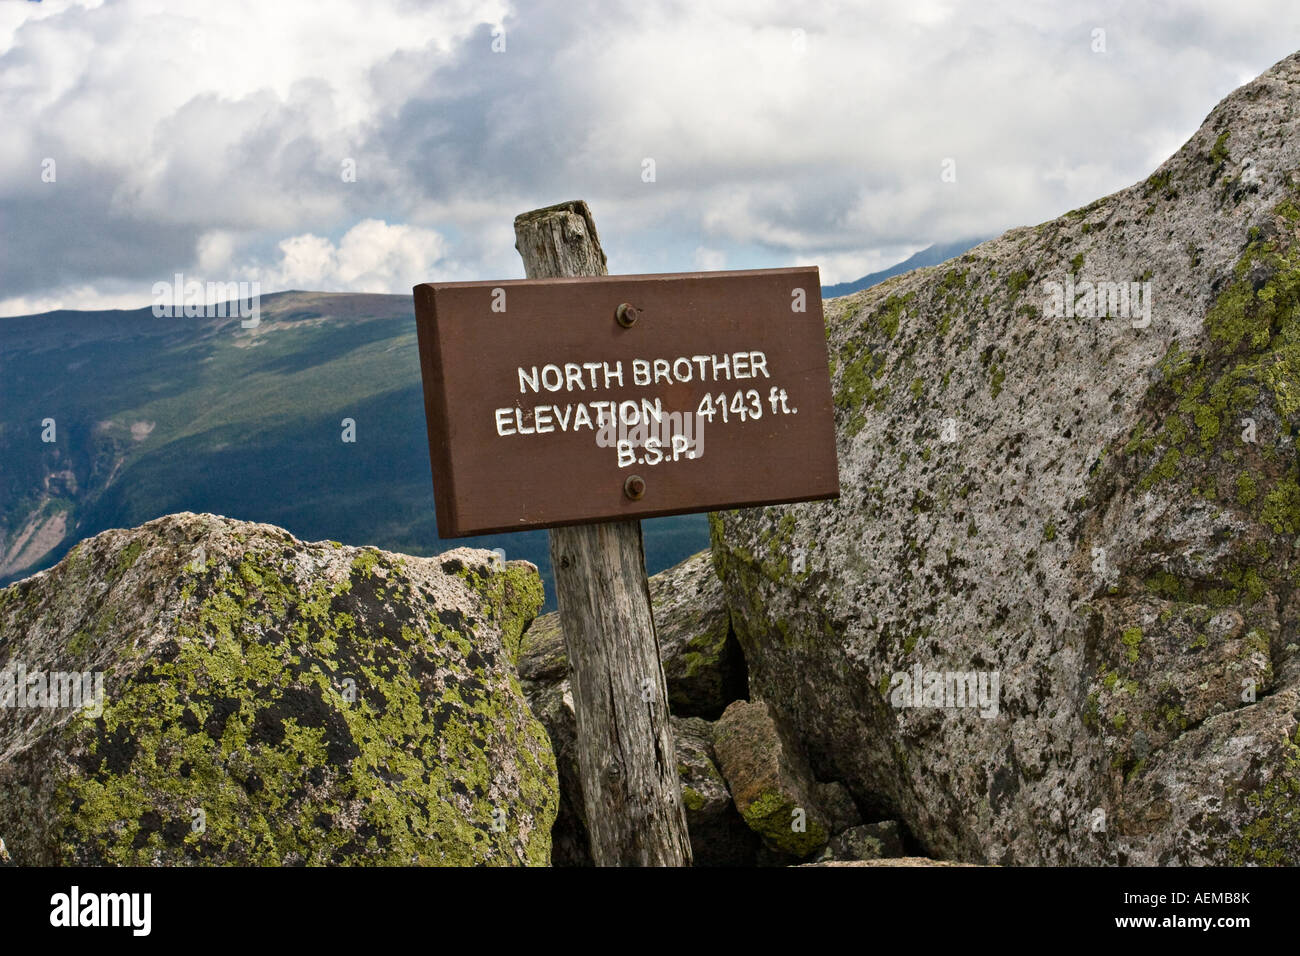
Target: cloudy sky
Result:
[367, 145]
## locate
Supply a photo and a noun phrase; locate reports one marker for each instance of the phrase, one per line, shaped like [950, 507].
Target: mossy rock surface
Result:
[1101, 508]
[770, 781]
[274, 702]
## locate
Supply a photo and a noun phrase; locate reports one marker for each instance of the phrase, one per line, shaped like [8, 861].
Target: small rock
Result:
[719, 837]
[871, 841]
[770, 781]
[703, 664]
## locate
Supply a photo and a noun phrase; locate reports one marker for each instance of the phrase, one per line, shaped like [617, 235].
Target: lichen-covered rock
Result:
[1086, 496]
[870, 841]
[704, 669]
[719, 837]
[703, 664]
[770, 781]
[268, 701]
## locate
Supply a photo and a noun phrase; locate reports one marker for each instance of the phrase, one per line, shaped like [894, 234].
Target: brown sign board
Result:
[551, 402]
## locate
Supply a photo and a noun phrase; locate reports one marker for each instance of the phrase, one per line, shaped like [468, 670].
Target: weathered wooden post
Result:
[578, 401]
[630, 785]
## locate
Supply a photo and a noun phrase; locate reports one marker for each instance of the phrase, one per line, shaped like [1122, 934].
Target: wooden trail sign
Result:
[489, 478]
[563, 401]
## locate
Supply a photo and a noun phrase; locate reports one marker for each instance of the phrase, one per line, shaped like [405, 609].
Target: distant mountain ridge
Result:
[112, 418]
[150, 416]
[929, 256]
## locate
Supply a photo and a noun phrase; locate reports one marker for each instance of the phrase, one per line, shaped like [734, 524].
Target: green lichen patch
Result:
[783, 826]
[861, 360]
[1132, 641]
[512, 594]
[1219, 151]
[1272, 837]
[1217, 431]
[1233, 406]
